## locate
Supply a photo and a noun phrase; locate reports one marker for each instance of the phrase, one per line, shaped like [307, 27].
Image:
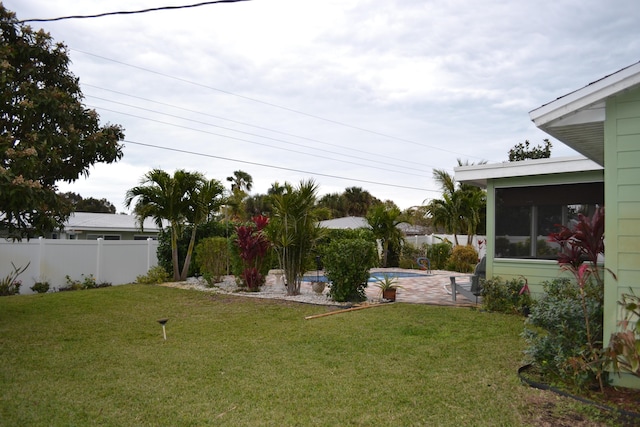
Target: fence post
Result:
[40, 259]
[149, 249]
[99, 260]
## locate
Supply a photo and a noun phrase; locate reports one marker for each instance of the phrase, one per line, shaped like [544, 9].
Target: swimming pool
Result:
[373, 277]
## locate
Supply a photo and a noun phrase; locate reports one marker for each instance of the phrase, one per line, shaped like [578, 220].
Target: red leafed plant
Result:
[253, 245]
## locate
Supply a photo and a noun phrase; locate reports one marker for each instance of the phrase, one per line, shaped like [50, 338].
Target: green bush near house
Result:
[556, 331]
[506, 296]
[463, 259]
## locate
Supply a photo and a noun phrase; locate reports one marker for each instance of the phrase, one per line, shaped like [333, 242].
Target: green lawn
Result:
[98, 357]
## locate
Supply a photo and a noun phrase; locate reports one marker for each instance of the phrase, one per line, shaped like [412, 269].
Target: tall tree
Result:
[383, 220]
[461, 208]
[522, 151]
[358, 201]
[185, 197]
[241, 184]
[293, 230]
[46, 133]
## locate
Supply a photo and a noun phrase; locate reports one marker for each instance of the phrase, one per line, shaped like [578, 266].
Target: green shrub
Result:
[212, 258]
[463, 259]
[410, 254]
[505, 297]
[154, 276]
[41, 287]
[346, 264]
[438, 254]
[85, 282]
[556, 332]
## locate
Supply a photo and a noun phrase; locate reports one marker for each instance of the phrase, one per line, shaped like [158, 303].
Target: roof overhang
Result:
[577, 119]
[479, 174]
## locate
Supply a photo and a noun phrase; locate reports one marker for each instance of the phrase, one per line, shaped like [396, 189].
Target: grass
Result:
[97, 357]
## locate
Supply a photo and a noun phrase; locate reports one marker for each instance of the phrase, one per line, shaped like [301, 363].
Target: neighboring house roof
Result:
[103, 222]
[577, 119]
[347, 222]
[479, 174]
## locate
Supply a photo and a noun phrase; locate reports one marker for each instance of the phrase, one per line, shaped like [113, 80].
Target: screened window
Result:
[525, 216]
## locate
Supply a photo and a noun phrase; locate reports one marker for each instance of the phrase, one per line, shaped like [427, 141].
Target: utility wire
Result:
[386, 156]
[247, 141]
[177, 150]
[386, 164]
[130, 12]
[292, 110]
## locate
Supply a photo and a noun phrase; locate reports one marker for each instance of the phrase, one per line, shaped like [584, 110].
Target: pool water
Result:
[373, 277]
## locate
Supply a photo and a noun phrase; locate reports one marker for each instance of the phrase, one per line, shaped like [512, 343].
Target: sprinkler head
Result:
[163, 321]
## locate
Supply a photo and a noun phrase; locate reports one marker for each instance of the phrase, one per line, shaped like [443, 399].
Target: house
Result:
[601, 121]
[345, 223]
[91, 226]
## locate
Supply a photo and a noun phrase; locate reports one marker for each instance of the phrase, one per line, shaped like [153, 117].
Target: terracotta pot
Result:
[389, 294]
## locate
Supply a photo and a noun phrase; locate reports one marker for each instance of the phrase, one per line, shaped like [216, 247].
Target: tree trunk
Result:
[174, 253]
[187, 260]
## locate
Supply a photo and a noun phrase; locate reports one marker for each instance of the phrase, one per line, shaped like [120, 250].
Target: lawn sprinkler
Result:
[164, 332]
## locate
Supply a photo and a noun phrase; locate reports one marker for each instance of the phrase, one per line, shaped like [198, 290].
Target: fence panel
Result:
[117, 262]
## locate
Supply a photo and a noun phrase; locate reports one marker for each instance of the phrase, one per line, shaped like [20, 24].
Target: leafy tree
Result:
[293, 230]
[523, 152]
[46, 133]
[184, 198]
[89, 204]
[384, 221]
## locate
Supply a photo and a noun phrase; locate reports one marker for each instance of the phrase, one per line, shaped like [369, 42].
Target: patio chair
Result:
[473, 289]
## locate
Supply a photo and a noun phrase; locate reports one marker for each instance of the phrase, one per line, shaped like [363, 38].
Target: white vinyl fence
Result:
[114, 261]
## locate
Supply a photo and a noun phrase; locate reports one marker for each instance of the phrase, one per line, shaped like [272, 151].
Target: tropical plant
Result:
[293, 230]
[581, 359]
[461, 209]
[241, 184]
[346, 265]
[47, 135]
[10, 285]
[387, 283]
[185, 197]
[41, 286]
[253, 245]
[438, 254]
[384, 221]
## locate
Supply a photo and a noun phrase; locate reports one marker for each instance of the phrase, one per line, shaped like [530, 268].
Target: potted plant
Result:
[388, 287]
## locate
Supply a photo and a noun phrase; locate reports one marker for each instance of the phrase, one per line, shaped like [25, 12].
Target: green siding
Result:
[622, 201]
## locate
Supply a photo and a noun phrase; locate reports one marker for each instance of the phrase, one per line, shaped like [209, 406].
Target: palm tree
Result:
[182, 198]
[293, 230]
[240, 181]
[384, 220]
[460, 211]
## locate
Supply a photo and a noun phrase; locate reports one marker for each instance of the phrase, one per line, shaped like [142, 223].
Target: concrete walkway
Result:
[425, 288]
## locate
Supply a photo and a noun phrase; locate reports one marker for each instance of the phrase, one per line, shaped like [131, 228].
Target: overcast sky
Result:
[366, 93]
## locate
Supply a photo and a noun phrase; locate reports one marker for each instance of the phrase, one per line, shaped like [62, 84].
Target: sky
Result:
[367, 93]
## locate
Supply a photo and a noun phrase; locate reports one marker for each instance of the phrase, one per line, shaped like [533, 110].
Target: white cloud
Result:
[410, 83]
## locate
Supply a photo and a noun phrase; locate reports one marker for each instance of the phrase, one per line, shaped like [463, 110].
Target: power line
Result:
[177, 150]
[386, 156]
[292, 110]
[245, 140]
[130, 12]
[386, 164]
